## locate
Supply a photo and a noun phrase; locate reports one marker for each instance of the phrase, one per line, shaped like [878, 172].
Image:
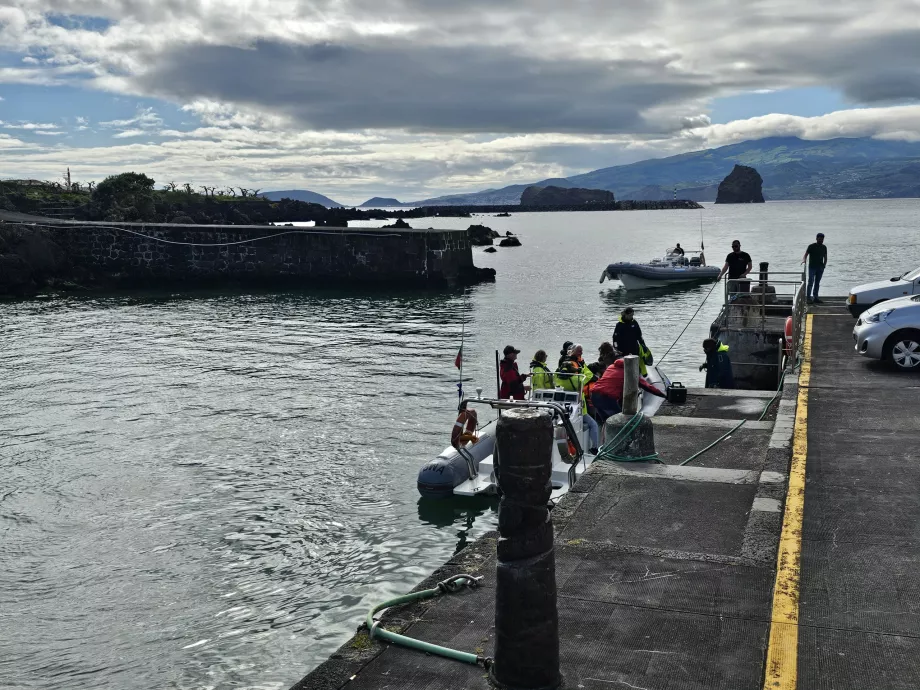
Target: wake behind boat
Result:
[673, 269]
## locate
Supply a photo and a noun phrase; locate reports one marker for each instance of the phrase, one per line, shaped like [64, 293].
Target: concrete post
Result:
[631, 385]
[641, 441]
[526, 620]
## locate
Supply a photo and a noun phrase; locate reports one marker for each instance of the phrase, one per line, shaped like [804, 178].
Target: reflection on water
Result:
[459, 513]
[209, 490]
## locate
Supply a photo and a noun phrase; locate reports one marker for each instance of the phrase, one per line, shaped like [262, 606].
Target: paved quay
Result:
[667, 574]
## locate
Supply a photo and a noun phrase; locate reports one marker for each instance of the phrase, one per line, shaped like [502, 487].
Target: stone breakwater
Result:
[110, 255]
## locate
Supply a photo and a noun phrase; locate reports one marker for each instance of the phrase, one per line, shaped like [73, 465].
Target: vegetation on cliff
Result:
[564, 196]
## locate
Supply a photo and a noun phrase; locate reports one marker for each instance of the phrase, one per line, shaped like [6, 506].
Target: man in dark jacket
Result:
[627, 336]
[512, 380]
[718, 366]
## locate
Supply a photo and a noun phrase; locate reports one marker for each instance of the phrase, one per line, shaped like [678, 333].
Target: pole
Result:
[631, 385]
[498, 379]
[526, 617]
[462, 334]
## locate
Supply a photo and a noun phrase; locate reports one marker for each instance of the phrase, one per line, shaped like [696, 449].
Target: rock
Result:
[510, 242]
[561, 196]
[400, 223]
[481, 236]
[743, 185]
[508, 233]
[182, 219]
[503, 215]
[41, 254]
[490, 250]
[381, 202]
[15, 276]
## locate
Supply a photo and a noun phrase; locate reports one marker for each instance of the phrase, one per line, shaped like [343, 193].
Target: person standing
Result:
[627, 339]
[737, 265]
[816, 254]
[512, 380]
[541, 376]
[718, 365]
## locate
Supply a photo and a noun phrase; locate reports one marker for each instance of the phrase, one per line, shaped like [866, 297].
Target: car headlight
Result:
[880, 316]
[851, 299]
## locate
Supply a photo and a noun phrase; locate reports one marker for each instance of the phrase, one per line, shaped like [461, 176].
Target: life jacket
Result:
[542, 377]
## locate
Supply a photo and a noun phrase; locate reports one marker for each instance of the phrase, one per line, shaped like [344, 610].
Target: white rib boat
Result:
[673, 269]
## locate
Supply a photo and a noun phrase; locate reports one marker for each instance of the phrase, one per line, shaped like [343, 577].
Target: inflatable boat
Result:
[470, 469]
[673, 269]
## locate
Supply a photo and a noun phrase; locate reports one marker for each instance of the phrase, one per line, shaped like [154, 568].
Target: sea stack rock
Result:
[744, 185]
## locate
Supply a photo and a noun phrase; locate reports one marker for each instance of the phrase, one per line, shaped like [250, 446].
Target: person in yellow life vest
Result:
[541, 376]
[571, 375]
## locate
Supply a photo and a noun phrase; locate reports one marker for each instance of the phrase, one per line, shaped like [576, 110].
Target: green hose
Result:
[450, 585]
[763, 414]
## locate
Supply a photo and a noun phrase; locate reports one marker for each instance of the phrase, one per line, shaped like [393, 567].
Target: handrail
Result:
[498, 404]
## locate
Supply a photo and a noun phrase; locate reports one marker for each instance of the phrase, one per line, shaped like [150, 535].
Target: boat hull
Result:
[643, 277]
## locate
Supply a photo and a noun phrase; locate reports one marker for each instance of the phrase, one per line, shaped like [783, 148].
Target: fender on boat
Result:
[438, 478]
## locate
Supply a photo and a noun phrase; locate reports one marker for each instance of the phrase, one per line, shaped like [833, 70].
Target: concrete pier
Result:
[717, 574]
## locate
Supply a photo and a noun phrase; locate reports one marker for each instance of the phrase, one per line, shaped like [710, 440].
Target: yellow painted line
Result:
[782, 653]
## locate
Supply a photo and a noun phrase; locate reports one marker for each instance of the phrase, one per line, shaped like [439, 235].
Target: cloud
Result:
[425, 96]
[34, 126]
[128, 133]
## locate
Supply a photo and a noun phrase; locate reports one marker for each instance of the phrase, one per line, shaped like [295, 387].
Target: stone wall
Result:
[125, 254]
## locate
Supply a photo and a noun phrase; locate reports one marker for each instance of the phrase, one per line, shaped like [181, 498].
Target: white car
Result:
[864, 296]
[891, 331]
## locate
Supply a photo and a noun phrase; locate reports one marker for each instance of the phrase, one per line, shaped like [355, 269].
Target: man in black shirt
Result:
[737, 265]
[817, 260]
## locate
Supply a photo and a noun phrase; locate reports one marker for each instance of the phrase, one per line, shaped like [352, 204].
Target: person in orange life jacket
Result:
[607, 394]
[573, 374]
[512, 380]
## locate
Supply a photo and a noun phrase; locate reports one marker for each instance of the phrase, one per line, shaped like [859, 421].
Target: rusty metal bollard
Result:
[526, 619]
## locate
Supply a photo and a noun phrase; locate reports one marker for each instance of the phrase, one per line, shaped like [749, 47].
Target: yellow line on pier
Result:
[782, 653]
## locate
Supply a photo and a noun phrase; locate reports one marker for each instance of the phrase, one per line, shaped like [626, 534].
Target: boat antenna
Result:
[459, 360]
[702, 248]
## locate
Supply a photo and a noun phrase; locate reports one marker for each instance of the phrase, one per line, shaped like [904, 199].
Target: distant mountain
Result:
[792, 168]
[382, 202]
[302, 195]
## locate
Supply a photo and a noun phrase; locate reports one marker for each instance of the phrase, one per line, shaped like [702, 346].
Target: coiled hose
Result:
[448, 586]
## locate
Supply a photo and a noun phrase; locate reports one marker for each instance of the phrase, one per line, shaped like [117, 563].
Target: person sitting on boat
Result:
[678, 249]
[627, 338]
[573, 374]
[607, 394]
[541, 378]
[564, 352]
[512, 380]
[718, 366]
[606, 356]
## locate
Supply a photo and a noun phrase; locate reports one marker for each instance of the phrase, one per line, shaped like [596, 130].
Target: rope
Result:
[714, 286]
[210, 228]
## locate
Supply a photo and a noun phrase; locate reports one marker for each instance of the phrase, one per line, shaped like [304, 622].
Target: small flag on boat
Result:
[459, 360]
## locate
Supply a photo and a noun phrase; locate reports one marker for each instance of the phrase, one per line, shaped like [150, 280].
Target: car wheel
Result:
[903, 350]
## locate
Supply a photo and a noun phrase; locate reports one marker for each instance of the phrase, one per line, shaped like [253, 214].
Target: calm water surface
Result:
[209, 490]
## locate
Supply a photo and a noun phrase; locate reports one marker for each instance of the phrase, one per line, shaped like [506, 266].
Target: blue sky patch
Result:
[805, 102]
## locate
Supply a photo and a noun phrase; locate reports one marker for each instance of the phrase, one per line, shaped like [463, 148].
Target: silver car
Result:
[891, 331]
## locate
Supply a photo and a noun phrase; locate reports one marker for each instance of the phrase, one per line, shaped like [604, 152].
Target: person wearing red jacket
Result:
[607, 394]
[512, 380]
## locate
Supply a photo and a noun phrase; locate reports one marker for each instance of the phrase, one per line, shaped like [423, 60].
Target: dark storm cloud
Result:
[400, 85]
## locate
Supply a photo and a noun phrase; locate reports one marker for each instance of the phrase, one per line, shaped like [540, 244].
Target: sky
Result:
[416, 98]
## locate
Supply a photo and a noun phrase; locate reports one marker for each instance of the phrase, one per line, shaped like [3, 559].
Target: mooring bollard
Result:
[641, 435]
[526, 620]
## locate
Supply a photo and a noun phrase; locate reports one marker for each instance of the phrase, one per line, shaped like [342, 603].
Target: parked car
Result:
[864, 296]
[891, 331]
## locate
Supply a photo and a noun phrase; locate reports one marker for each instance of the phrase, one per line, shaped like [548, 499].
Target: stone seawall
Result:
[134, 254]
